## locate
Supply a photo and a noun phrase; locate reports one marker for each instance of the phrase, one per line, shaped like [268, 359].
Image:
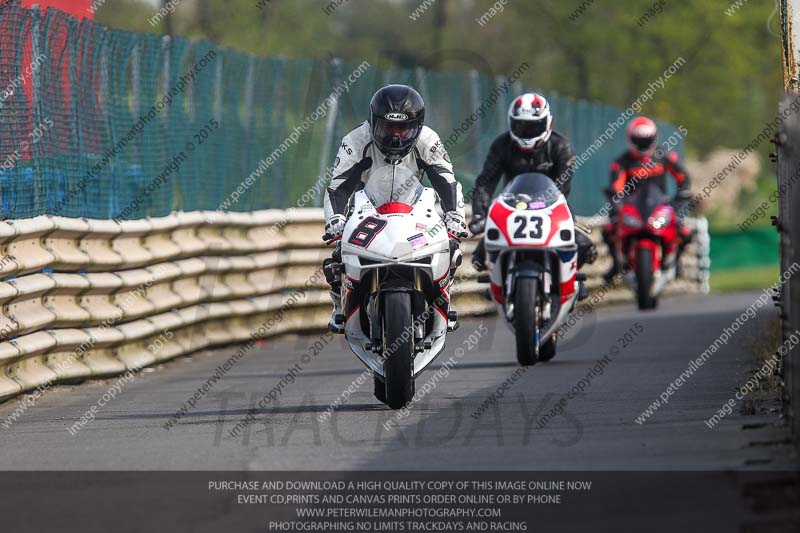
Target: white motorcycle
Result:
[397, 264]
[533, 259]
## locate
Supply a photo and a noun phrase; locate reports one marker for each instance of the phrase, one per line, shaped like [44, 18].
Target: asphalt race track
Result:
[596, 430]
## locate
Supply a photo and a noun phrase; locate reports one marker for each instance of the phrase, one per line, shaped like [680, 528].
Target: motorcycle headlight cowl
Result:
[659, 222]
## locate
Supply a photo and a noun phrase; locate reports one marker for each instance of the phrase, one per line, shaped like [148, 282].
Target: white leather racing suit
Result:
[358, 158]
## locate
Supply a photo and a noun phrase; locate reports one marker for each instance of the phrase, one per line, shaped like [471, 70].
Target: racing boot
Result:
[686, 236]
[334, 279]
[456, 258]
[608, 238]
[479, 257]
[583, 292]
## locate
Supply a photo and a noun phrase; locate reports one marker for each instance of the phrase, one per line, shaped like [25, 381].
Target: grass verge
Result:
[750, 278]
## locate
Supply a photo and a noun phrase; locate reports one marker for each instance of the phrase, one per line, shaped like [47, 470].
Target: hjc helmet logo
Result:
[396, 116]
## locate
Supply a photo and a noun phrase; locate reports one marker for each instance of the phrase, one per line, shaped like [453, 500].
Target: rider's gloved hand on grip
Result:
[681, 201]
[456, 225]
[334, 227]
[477, 225]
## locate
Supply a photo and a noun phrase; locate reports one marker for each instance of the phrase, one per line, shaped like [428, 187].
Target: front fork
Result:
[528, 269]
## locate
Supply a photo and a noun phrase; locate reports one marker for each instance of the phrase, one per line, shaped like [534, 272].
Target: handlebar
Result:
[329, 239]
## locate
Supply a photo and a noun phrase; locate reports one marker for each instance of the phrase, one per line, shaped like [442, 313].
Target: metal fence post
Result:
[218, 91]
[421, 75]
[475, 100]
[165, 80]
[327, 137]
[249, 94]
[502, 111]
[36, 111]
[136, 79]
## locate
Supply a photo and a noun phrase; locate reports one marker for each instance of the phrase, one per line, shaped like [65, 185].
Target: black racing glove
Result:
[477, 224]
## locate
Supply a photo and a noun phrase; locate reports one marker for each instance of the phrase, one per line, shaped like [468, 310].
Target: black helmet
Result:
[396, 115]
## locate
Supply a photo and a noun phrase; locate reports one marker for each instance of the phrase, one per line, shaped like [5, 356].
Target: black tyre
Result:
[548, 350]
[526, 320]
[379, 388]
[644, 278]
[398, 349]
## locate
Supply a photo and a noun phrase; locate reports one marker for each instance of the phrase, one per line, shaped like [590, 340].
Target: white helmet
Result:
[530, 121]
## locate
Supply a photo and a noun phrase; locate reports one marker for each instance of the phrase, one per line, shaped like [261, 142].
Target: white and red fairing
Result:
[410, 235]
[529, 226]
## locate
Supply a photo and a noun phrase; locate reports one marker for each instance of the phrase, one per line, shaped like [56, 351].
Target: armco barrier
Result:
[95, 298]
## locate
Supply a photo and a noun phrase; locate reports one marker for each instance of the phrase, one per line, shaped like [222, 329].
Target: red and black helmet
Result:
[642, 135]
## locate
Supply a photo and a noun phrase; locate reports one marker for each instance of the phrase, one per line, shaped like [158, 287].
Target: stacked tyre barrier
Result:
[85, 298]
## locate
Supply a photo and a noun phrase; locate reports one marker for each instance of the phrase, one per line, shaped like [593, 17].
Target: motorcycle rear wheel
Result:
[526, 321]
[398, 349]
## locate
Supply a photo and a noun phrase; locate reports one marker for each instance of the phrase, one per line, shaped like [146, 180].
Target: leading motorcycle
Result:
[396, 266]
[530, 242]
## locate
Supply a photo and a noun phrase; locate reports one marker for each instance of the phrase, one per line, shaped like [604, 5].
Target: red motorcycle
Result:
[647, 242]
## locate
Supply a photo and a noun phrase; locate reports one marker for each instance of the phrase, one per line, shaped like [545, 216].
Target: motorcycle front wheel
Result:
[644, 279]
[548, 350]
[398, 349]
[526, 320]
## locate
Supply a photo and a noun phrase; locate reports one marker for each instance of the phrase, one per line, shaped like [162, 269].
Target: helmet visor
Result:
[643, 144]
[528, 129]
[390, 132]
[393, 137]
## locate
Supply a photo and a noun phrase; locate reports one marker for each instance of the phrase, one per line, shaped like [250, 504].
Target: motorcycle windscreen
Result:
[393, 184]
[536, 190]
[647, 197]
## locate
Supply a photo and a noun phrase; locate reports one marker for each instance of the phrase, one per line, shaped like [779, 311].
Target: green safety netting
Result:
[107, 123]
